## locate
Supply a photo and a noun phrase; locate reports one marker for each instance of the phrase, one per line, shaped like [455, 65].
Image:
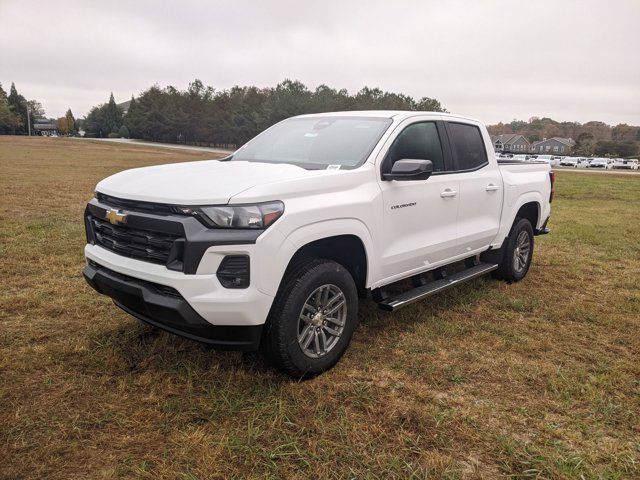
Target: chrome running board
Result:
[436, 286]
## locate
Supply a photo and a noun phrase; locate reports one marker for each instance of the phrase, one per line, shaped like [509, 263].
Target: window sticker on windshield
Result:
[333, 167]
[311, 135]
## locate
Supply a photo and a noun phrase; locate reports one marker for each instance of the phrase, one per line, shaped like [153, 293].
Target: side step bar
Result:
[431, 288]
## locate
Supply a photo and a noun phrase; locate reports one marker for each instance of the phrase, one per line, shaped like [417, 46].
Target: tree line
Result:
[17, 113]
[201, 115]
[592, 138]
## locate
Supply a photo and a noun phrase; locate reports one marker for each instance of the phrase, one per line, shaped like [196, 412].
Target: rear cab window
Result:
[467, 146]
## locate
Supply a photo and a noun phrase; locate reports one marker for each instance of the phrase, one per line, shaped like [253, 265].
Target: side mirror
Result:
[409, 169]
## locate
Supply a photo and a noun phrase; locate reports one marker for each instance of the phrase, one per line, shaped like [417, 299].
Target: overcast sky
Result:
[493, 60]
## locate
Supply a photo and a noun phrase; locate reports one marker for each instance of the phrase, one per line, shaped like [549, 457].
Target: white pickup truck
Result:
[271, 247]
[626, 163]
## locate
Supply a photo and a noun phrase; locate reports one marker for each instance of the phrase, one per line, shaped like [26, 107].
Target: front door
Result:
[419, 216]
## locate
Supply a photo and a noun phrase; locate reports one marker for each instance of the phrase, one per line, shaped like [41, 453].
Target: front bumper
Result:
[203, 292]
[164, 307]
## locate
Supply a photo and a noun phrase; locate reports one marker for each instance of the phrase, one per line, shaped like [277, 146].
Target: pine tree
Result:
[112, 117]
[94, 123]
[71, 122]
[7, 118]
[18, 105]
[133, 119]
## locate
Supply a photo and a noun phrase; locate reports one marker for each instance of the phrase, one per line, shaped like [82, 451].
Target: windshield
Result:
[316, 142]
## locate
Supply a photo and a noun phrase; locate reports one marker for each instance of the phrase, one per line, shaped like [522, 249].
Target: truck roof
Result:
[397, 114]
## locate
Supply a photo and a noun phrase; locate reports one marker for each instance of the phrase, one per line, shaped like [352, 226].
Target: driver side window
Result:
[419, 141]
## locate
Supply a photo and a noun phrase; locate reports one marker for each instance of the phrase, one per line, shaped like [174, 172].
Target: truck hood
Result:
[207, 182]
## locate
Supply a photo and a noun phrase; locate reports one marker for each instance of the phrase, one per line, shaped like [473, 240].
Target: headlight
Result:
[258, 216]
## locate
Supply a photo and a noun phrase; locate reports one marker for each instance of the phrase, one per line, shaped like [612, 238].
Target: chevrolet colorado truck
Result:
[271, 247]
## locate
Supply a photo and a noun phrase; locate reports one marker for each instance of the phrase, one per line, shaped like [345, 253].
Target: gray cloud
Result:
[494, 60]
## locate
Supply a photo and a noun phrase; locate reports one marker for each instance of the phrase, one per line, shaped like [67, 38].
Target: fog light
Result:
[233, 271]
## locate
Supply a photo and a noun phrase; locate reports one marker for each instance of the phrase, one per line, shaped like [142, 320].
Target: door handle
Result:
[447, 192]
[492, 188]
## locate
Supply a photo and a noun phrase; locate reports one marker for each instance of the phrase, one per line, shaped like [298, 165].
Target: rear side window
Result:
[468, 147]
[418, 141]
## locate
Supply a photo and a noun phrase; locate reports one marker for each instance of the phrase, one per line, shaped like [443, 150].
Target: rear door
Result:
[419, 216]
[481, 189]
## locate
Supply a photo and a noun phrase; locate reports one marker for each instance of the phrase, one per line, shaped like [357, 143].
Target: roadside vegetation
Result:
[537, 379]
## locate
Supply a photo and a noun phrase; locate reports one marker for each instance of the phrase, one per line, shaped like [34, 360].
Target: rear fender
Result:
[511, 207]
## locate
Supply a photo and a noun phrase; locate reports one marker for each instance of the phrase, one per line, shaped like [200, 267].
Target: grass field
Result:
[539, 379]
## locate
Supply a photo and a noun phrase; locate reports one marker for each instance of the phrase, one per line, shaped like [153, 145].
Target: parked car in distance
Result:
[569, 162]
[626, 163]
[583, 162]
[271, 247]
[604, 163]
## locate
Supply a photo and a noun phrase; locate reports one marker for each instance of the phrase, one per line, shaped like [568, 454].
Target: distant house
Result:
[45, 127]
[554, 146]
[510, 143]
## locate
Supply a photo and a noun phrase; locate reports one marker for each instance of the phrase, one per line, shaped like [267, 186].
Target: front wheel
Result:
[312, 319]
[518, 252]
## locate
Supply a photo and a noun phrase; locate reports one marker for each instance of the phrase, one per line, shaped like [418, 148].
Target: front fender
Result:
[273, 264]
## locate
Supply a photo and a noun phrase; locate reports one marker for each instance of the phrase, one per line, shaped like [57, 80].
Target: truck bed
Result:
[511, 161]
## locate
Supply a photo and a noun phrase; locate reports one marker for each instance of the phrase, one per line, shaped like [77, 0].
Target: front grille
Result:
[144, 245]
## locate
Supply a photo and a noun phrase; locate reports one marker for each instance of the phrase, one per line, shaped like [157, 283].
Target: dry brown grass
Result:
[534, 380]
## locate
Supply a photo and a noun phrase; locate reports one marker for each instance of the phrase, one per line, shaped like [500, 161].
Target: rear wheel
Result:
[312, 319]
[518, 252]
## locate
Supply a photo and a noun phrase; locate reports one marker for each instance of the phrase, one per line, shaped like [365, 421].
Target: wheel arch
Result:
[345, 241]
[348, 250]
[528, 205]
[530, 211]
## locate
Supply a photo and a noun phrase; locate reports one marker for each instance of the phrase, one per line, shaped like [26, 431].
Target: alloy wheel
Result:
[322, 320]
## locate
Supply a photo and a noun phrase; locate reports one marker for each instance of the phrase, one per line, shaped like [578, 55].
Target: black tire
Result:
[280, 343]
[507, 269]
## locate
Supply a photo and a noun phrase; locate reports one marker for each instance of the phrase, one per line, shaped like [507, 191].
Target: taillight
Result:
[552, 177]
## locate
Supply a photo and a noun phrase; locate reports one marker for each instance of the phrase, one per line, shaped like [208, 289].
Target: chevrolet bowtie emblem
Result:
[116, 217]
